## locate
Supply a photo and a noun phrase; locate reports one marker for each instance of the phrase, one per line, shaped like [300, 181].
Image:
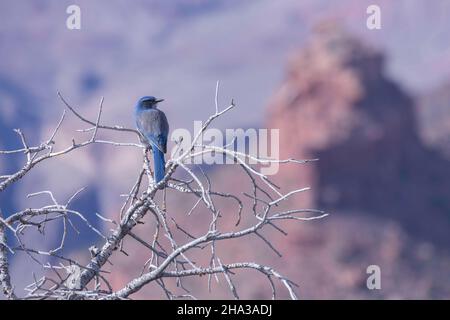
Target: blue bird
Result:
[154, 127]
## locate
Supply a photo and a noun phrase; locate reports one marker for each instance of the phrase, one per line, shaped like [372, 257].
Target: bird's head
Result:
[148, 102]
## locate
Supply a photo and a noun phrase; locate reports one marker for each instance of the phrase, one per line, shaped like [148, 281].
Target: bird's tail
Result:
[159, 163]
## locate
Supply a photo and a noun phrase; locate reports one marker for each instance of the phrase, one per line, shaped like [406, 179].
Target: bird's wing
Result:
[154, 126]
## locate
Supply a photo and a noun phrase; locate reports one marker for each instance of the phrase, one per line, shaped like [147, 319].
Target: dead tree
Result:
[69, 279]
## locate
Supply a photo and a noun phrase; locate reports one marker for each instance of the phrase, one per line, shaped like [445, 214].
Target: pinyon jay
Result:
[152, 124]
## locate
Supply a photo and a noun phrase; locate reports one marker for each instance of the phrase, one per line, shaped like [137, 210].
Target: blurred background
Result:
[373, 105]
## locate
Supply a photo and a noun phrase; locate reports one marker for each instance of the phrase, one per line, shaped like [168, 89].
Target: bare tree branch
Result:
[172, 245]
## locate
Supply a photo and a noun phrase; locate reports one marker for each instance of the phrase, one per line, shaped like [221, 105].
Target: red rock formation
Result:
[338, 105]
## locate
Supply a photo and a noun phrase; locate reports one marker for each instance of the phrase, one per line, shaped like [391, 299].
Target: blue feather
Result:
[159, 163]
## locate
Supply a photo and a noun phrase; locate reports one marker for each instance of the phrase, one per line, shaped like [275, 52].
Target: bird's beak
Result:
[159, 100]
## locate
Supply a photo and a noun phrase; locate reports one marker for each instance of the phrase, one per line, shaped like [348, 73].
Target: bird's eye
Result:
[147, 103]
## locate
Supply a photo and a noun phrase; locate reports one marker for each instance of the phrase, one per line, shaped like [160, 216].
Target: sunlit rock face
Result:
[338, 105]
[433, 111]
